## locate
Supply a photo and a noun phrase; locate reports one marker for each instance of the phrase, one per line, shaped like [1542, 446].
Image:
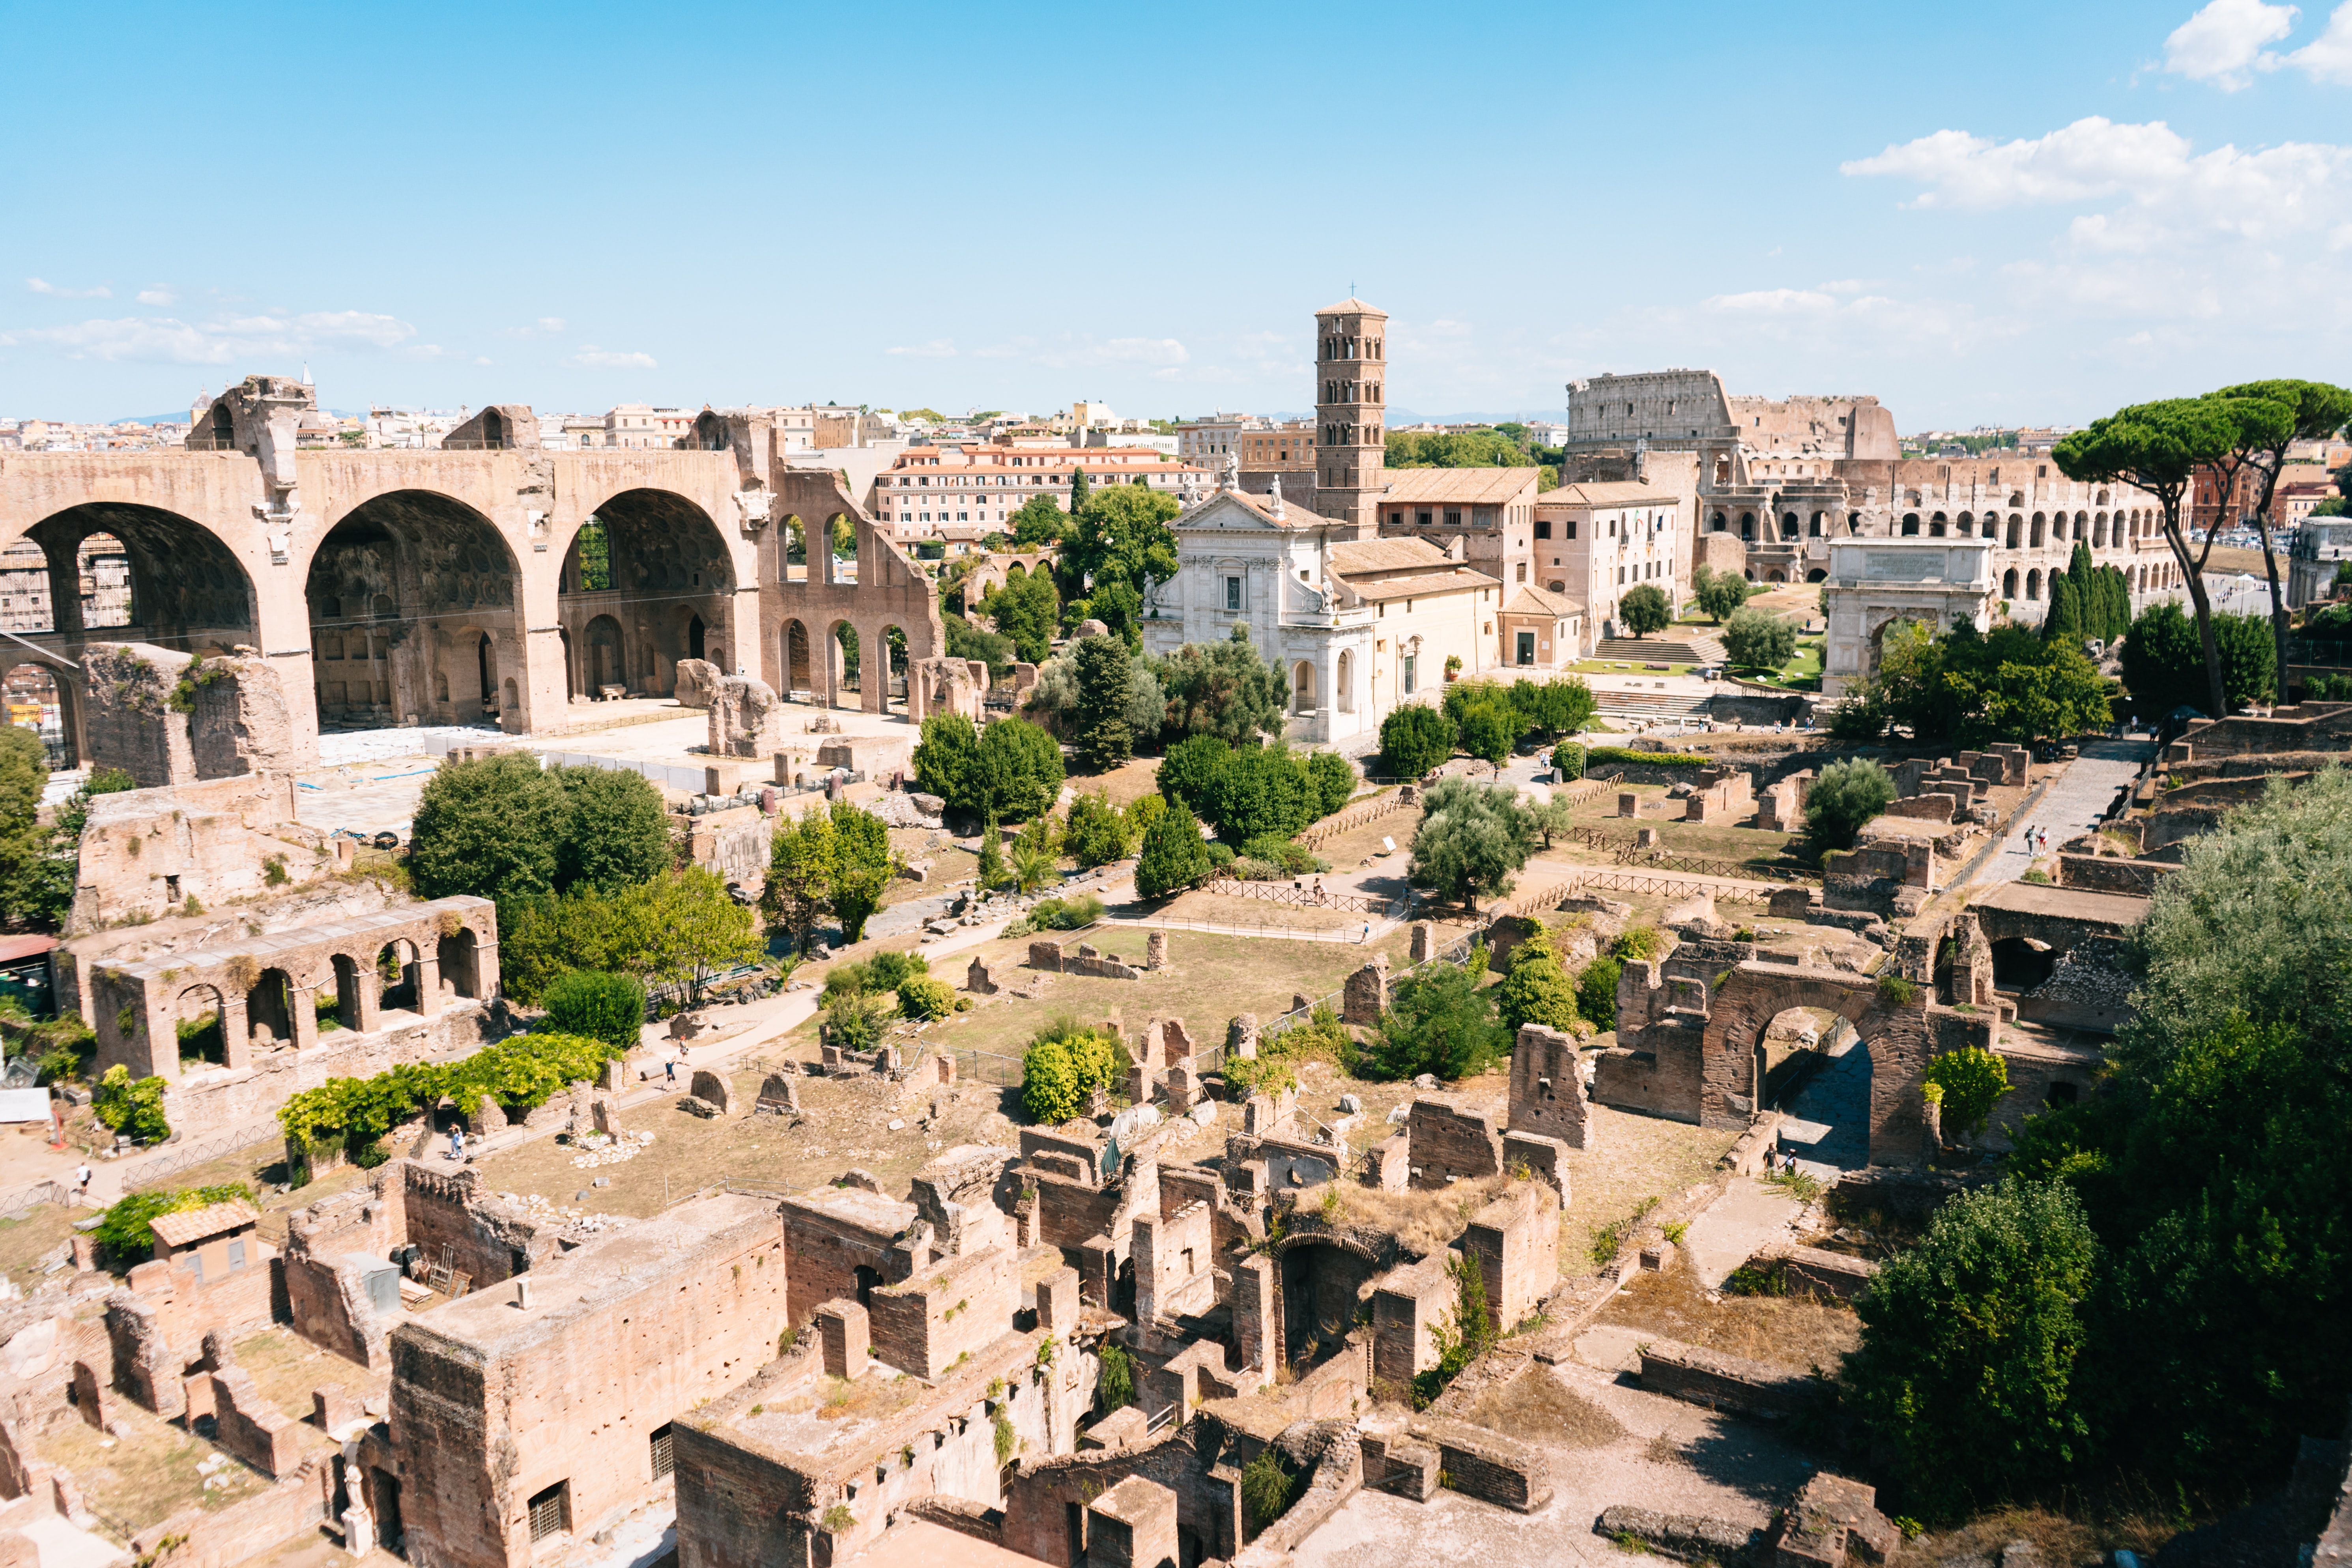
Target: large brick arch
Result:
[1899, 1039]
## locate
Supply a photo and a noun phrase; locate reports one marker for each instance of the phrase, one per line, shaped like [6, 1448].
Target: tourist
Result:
[1368, 933]
[81, 1179]
[456, 1142]
[671, 1067]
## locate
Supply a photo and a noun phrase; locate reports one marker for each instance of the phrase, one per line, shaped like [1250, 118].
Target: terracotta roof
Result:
[195, 1225]
[1351, 306]
[1535, 600]
[1460, 487]
[1610, 492]
[1294, 515]
[16, 947]
[1385, 555]
[1451, 582]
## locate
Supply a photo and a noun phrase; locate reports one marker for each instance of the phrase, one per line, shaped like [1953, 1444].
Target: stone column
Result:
[236, 1034]
[428, 981]
[485, 967]
[369, 1004]
[302, 1002]
[872, 662]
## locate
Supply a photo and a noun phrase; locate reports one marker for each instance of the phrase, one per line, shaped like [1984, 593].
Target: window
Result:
[1408, 673]
[547, 1510]
[1232, 593]
[1571, 530]
[235, 1253]
[1543, 527]
[1421, 518]
[664, 1461]
[1453, 517]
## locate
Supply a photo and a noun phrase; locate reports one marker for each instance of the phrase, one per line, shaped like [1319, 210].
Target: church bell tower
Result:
[1350, 391]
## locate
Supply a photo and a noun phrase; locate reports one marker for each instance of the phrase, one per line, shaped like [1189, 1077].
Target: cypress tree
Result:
[1104, 684]
[2064, 623]
[1078, 490]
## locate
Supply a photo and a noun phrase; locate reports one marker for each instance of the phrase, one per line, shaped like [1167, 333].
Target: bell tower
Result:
[1350, 395]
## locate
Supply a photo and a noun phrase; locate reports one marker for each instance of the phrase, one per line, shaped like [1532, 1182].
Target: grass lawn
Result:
[1718, 841]
[1801, 673]
[1623, 667]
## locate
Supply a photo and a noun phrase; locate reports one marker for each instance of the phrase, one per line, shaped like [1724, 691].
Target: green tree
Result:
[1064, 1064]
[1719, 594]
[1224, 689]
[921, 998]
[1596, 990]
[947, 761]
[1472, 838]
[1334, 779]
[864, 865]
[990, 871]
[133, 1107]
[1560, 707]
[1017, 770]
[597, 1006]
[799, 890]
[2161, 447]
[1489, 730]
[1414, 740]
[1261, 790]
[2316, 410]
[1097, 834]
[1081, 491]
[967, 641]
[1040, 523]
[689, 930]
[492, 827]
[617, 832]
[1438, 1021]
[2163, 665]
[1844, 798]
[1173, 856]
[2062, 694]
[1029, 611]
[1535, 988]
[1104, 739]
[1967, 1082]
[1644, 609]
[1188, 773]
[1757, 640]
[1970, 1346]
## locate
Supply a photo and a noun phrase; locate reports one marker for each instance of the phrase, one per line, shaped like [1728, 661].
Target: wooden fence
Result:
[1356, 815]
[1289, 893]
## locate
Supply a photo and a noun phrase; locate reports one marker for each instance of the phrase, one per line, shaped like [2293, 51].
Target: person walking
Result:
[456, 1142]
[1368, 933]
[82, 1175]
[671, 1067]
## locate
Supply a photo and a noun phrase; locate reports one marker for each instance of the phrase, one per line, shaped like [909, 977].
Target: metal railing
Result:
[22, 1200]
[170, 1161]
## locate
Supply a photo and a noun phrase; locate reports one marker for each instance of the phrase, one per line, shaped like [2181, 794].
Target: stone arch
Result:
[2036, 533]
[1326, 1282]
[1818, 526]
[457, 954]
[795, 664]
[1302, 687]
[2009, 583]
[2034, 586]
[1748, 525]
[354, 1005]
[1967, 525]
[600, 662]
[1910, 524]
[1716, 522]
[1938, 526]
[386, 579]
[270, 1009]
[1816, 575]
[2020, 963]
[844, 664]
[400, 977]
[891, 672]
[1776, 575]
[1896, 1034]
[1788, 524]
[2016, 529]
[666, 565]
[2099, 532]
[201, 1021]
[1344, 686]
[40, 700]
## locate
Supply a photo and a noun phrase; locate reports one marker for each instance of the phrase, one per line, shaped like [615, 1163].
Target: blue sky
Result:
[2004, 213]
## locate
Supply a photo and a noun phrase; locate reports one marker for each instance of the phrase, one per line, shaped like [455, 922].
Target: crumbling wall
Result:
[923, 1326]
[450, 1215]
[1451, 1142]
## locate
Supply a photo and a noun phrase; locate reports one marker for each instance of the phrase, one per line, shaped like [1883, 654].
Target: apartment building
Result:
[1595, 542]
[928, 486]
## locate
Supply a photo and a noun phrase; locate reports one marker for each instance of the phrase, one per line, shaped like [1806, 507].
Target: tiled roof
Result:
[195, 1225]
[1607, 492]
[1451, 582]
[1385, 555]
[1535, 600]
[1456, 486]
[1350, 306]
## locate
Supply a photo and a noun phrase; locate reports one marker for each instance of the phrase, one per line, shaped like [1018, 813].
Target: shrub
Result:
[1115, 1387]
[1438, 1021]
[1063, 1066]
[1844, 798]
[1189, 772]
[519, 1074]
[1596, 992]
[1284, 855]
[1250, 869]
[888, 970]
[131, 1107]
[1221, 856]
[1413, 740]
[853, 1020]
[1759, 640]
[597, 1006]
[1535, 989]
[1071, 913]
[1641, 943]
[1097, 834]
[920, 996]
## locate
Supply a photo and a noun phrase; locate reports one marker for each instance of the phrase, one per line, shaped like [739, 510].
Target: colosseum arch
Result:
[391, 590]
[795, 665]
[1896, 1034]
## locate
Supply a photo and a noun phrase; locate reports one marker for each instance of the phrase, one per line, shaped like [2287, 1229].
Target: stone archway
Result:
[1324, 1280]
[1889, 1016]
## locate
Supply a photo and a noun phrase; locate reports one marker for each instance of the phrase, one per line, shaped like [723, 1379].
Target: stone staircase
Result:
[1651, 706]
[1680, 647]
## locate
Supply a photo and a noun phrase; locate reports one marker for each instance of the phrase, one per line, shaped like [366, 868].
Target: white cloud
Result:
[2328, 57]
[938, 348]
[1775, 302]
[2221, 42]
[546, 326]
[610, 359]
[158, 297]
[39, 286]
[221, 341]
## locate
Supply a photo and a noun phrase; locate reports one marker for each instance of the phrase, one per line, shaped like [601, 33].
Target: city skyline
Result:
[2028, 221]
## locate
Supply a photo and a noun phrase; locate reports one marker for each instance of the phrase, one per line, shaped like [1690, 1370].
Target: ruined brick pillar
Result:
[1253, 1313]
[1424, 941]
[236, 1034]
[1241, 1036]
[428, 981]
[303, 1002]
[1155, 950]
[1057, 1301]
[1367, 994]
[843, 1335]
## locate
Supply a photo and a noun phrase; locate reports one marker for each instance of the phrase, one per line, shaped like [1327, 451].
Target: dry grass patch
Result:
[1796, 1332]
[1632, 1158]
[150, 1474]
[2099, 1526]
[1537, 1407]
[1423, 1222]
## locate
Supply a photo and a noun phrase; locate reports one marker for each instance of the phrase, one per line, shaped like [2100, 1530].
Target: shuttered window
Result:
[547, 1512]
[664, 1462]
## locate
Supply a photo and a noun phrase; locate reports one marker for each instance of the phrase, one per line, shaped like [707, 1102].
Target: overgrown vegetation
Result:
[520, 1075]
[1466, 1332]
[124, 1231]
[1066, 1061]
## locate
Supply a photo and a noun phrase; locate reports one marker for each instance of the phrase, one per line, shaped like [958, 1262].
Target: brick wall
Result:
[491, 1405]
[1515, 1239]
[482, 1236]
[1405, 1303]
[295, 1506]
[2105, 873]
[1662, 1078]
[831, 1234]
[949, 1309]
[1450, 1140]
[1722, 1382]
[1486, 1465]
